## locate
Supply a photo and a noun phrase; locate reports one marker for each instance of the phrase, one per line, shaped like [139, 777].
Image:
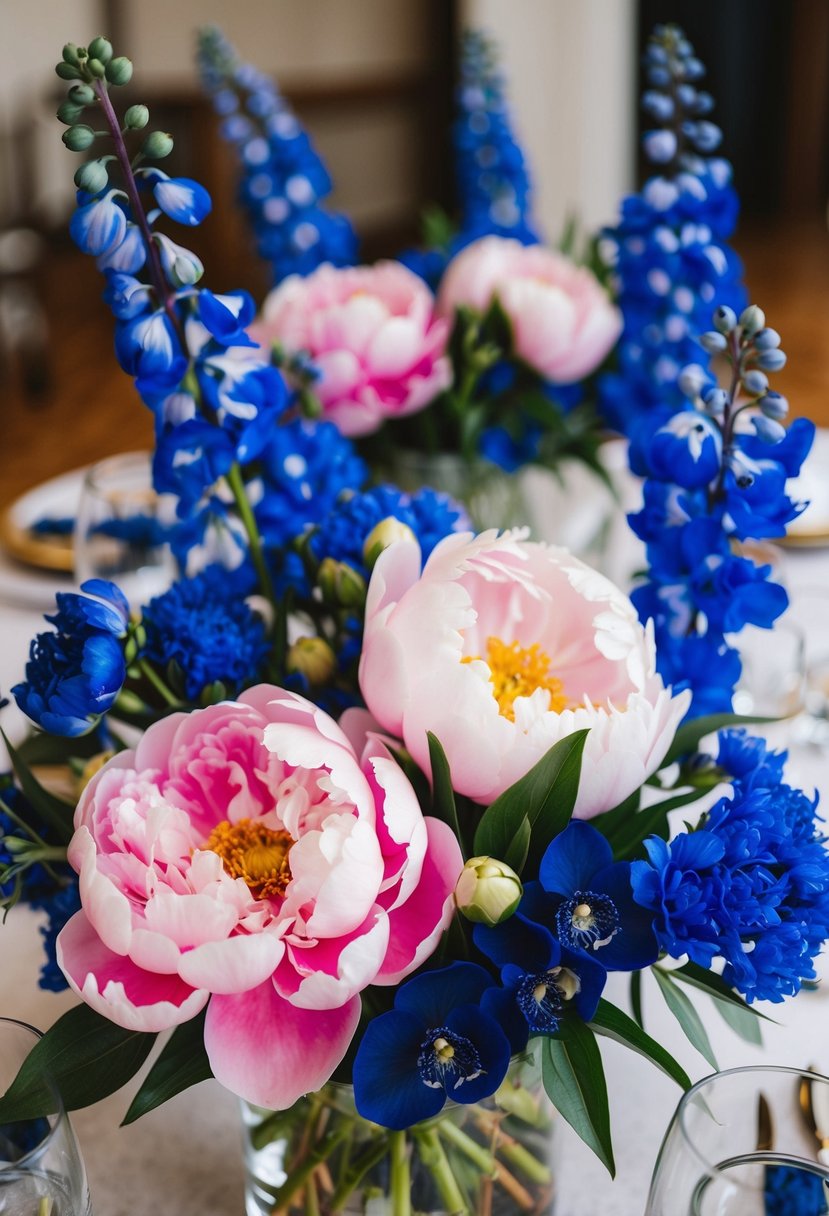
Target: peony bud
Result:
[488, 891]
[312, 658]
[341, 584]
[383, 535]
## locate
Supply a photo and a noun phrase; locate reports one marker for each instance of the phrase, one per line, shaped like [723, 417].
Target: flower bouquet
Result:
[369, 807]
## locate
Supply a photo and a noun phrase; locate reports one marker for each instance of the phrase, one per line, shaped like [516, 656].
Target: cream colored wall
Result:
[570, 66]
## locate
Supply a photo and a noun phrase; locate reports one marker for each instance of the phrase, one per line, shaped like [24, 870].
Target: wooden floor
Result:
[91, 409]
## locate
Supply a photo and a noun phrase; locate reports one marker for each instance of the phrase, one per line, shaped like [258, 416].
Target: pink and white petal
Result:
[304, 747]
[238, 964]
[400, 828]
[108, 909]
[395, 347]
[340, 374]
[113, 986]
[338, 871]
[417, 925]
[189, 920]
[328, 973]
[268, 1051]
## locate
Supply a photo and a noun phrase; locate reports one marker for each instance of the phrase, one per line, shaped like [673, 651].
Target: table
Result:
[185, 1157]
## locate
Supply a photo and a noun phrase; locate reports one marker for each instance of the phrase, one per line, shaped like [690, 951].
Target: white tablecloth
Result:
[185, 1157]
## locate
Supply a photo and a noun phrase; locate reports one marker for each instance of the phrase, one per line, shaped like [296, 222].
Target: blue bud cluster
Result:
[492, 181]
[283, 180]
[671, 263]
[716, 472]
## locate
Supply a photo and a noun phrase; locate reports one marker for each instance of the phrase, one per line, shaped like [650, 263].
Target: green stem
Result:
[436, 1160]
[401, 1182]
[151, 675]
[298, 1177]
[488, 1164]
[366, 1161]
[237, 487]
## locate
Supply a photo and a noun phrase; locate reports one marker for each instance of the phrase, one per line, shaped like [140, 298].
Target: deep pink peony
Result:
[254, 856]
[501, 647]
[563, 323]
[372, 332]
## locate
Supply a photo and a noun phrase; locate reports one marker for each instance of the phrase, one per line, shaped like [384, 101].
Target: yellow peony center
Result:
[517, 671]
[255, 853]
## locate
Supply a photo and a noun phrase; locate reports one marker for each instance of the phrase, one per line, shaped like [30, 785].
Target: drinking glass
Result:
[122, 526]
[41, 1170]
[772, 681]
[746, 1142]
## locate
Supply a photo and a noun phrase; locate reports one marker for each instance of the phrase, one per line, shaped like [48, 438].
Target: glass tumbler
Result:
[41, 1170]
[122, 527]
[747, 1142]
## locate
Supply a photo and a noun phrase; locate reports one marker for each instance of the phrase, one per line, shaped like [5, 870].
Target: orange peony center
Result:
[517, 671]
[255, 853]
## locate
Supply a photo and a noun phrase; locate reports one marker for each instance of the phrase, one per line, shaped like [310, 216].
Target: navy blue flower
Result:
[790, 1190]
[201, 625]
[74, 676]
[591, 901]
[435, 1044]
[60, 905]
[541, 979]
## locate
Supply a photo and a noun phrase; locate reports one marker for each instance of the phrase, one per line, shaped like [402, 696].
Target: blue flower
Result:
[59, 905]
[74, 676]
[436, 1043]
[100, 225]
[790, 1190]
[148, 347]
[227, 316]
[686, 450]
[184, 200]
[749, 760]
[592, 905]
[211, 634]
[129, 256]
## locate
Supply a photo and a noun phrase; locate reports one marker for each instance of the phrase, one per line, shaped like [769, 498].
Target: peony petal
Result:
[236, 965]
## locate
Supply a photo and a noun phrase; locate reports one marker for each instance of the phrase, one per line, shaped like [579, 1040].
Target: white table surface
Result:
[185, 1157]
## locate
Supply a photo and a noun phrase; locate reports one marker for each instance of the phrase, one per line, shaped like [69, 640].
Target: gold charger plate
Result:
[57, 498]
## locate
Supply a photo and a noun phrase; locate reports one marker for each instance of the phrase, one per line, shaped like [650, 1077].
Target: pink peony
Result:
[501, 647]
[562, 322]
[371, 331]
[253, 855]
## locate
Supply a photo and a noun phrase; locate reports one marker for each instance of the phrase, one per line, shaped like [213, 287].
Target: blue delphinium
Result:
[437, 1043]
[208, 631]
[283, 180]
[671, 262]
[750, 886]
[59, 905]
[75, 673]
[716, 473]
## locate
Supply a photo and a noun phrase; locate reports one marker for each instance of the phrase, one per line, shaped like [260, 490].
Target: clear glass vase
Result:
[493, 1158]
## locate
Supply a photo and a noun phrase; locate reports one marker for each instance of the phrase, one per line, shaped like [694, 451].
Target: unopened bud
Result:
[157, 145]
[92, 177]
[312, 658]
[771, 360]
[81, 95]
[774, 405]
[119, 71]
[68, 71]
[69, 113]
[70, 54]
[78, 138]
[488, 891]
[382, 535]
[96, 69]
[101, 48]
[755, 382]
[341, 584]
[725, 319]
[136, 117]
[713, 341]
[752, 319]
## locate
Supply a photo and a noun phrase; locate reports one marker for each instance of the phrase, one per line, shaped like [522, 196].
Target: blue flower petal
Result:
[99, 226]
[517, 940]
[493, 1049]
[572, 859]
[635, 945]
[387, 1085]
[432, 995]
[184, 200]
[501, 1006]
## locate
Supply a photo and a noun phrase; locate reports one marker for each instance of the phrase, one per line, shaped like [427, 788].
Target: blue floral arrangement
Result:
[349, 802]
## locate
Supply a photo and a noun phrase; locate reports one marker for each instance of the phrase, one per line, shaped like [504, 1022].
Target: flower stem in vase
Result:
[401, 1182]
[434, 1156]
[488, 1164]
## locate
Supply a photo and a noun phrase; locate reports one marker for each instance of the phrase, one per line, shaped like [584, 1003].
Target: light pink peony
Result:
[253, 856]
[501, 647]
[563, 323]
[371, 331]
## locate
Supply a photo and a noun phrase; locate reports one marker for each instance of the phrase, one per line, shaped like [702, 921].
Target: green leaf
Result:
[743, 1022]
[54, 812]
[516, 855]
[716, 987]
[615, 1024]
[611, 822]
[182, 1063]
[688, 737]
[85, 1055]
[545, 796]
[687, 1016]
[443, 796]
[574, 1079]
[636, 997]
[651, 821]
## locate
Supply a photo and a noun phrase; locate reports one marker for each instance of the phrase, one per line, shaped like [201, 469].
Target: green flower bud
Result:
[79, 138]
[69, 113]
[488, 891]
[312, 658]
[136, 117]
[96, 69]
[341, 584]
[157, 145]
[119, 70]
[382, 535]
[81, 95]
[92, 176]
[70, 54]
[752, 319]
[67, 72]
[101, 48]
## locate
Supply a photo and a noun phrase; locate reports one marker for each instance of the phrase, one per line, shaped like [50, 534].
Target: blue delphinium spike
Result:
[671, 261]
[283, 180]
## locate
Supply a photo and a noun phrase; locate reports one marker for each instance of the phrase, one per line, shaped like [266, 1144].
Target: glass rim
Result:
[60, 1113]
[97, 473]
[711, 1167]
